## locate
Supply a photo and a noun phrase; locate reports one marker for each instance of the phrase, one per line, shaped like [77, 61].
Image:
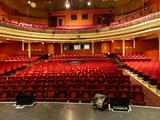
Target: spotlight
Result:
[67, 4]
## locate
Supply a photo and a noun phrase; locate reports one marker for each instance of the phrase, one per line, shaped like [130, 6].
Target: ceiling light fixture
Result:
[49, 2]
[32, 4]
[29, 2]
[67, 4]
[89, 3]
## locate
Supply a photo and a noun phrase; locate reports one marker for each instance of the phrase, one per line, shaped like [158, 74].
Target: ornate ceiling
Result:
[44, 6]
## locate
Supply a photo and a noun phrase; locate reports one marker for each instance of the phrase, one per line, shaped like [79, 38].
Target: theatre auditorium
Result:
[79, 59]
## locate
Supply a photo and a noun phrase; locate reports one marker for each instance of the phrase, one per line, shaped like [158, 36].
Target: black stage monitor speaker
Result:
[119, 104]
[100, 101]
[25, 99]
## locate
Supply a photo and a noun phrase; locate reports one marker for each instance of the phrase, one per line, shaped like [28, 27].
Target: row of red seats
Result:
[74, 59]
[13, 63]
[79, 29]
[68, 58]
[10, 66]
[66, 84]
[74, 77]
[148, 70]
[23, 25]
[64, 68]
[133, 57]
[132, 15]
[20, 58]
[74, 95]
[78, 52]
[78, 56]
[58, 29]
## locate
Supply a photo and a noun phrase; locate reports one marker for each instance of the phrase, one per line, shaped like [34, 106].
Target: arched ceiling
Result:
[45, 6]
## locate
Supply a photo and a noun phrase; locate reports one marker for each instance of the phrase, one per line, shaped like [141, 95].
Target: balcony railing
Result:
[76, 29]
[122, 24]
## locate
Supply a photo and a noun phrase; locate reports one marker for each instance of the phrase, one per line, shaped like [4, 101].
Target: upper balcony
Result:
[149, 24]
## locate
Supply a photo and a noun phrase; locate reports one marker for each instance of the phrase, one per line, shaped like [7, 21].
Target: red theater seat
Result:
[125, 87]
[4, 96]
[14, 94]
[86, 96]
[28, 92]
[124, 94]
[61, 96]
[73, 96]
[50, 95]
[110, 94]
[39, 95]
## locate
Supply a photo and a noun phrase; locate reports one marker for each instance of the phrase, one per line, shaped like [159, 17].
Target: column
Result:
[61, 48]
[92, 47]
[134, 43]
[159, 47]
[123, 47]
[22, 45]
[29, 49]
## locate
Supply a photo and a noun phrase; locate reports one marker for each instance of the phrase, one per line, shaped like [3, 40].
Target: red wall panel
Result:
[148, 47]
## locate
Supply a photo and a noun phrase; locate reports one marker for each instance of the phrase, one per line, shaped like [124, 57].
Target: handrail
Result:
[116, 25]
[45, 29]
